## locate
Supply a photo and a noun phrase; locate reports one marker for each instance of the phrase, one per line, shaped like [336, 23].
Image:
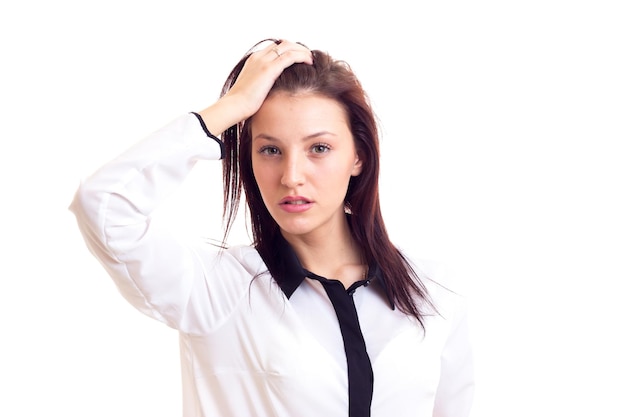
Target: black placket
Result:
[289, 274]
[360, 374]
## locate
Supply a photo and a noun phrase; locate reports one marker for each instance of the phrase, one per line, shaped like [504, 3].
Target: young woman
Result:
[321, 315]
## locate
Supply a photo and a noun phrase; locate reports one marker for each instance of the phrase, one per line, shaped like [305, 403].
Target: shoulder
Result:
[247, 257]
[445, 288]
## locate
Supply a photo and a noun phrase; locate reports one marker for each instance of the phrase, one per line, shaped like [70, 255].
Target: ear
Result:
[358, 166]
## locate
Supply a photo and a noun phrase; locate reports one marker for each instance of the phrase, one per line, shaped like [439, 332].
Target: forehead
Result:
[304, 110]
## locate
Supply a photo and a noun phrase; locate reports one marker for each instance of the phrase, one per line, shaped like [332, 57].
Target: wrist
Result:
[222, 114]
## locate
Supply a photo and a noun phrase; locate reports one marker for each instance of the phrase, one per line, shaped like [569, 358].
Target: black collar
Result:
[294, 273]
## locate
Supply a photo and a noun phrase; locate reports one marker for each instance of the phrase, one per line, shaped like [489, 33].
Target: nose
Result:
[293, 171]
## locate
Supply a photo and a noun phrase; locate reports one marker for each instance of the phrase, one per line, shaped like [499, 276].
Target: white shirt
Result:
[248, 348]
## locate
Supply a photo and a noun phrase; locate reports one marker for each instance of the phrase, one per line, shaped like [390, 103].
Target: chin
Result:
[295, 228]
[295, 231]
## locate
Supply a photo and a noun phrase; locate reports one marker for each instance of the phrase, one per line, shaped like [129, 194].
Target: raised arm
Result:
[158, 273]
[114, 209]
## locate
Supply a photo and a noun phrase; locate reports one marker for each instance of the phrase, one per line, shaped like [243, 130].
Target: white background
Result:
[503, 132]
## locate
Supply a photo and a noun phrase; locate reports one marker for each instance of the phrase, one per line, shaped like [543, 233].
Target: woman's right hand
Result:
[253, 84]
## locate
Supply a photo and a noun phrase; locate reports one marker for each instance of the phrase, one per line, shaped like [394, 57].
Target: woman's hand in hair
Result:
[253, 84]
[261, 70]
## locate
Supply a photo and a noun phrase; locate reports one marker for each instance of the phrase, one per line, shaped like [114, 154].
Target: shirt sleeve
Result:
[455, 392]
[160, 274]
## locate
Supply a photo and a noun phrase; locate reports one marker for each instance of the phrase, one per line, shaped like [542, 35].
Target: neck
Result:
[334, 256]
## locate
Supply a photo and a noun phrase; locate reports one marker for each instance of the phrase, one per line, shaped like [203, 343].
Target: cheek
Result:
[262, 175]
[336, 176]
[345, 169]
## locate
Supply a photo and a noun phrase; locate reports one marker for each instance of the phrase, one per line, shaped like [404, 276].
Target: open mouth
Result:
[296, 202]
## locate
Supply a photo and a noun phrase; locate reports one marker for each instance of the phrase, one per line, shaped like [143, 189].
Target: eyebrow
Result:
[304, 139]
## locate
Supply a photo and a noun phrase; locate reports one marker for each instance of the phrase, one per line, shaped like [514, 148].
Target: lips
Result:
[295, 201]
[295, 204]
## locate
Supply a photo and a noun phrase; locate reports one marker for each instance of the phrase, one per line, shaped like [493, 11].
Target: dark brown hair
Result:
[333, 79]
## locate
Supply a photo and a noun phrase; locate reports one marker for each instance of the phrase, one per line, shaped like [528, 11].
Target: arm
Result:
[159, 274]
[456, 386]
[153, 270]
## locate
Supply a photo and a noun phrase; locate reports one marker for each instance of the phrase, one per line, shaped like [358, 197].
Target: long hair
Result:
[333, 79]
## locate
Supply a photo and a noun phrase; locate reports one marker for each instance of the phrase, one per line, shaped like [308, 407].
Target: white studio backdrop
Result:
[503, 127]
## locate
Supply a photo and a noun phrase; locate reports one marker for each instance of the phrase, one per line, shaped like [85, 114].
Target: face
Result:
[303, 155]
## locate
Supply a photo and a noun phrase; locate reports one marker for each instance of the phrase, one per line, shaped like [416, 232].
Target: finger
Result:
[288, 51]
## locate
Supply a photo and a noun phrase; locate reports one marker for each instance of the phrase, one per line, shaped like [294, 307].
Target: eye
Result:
[269, 150]
[319, 148]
